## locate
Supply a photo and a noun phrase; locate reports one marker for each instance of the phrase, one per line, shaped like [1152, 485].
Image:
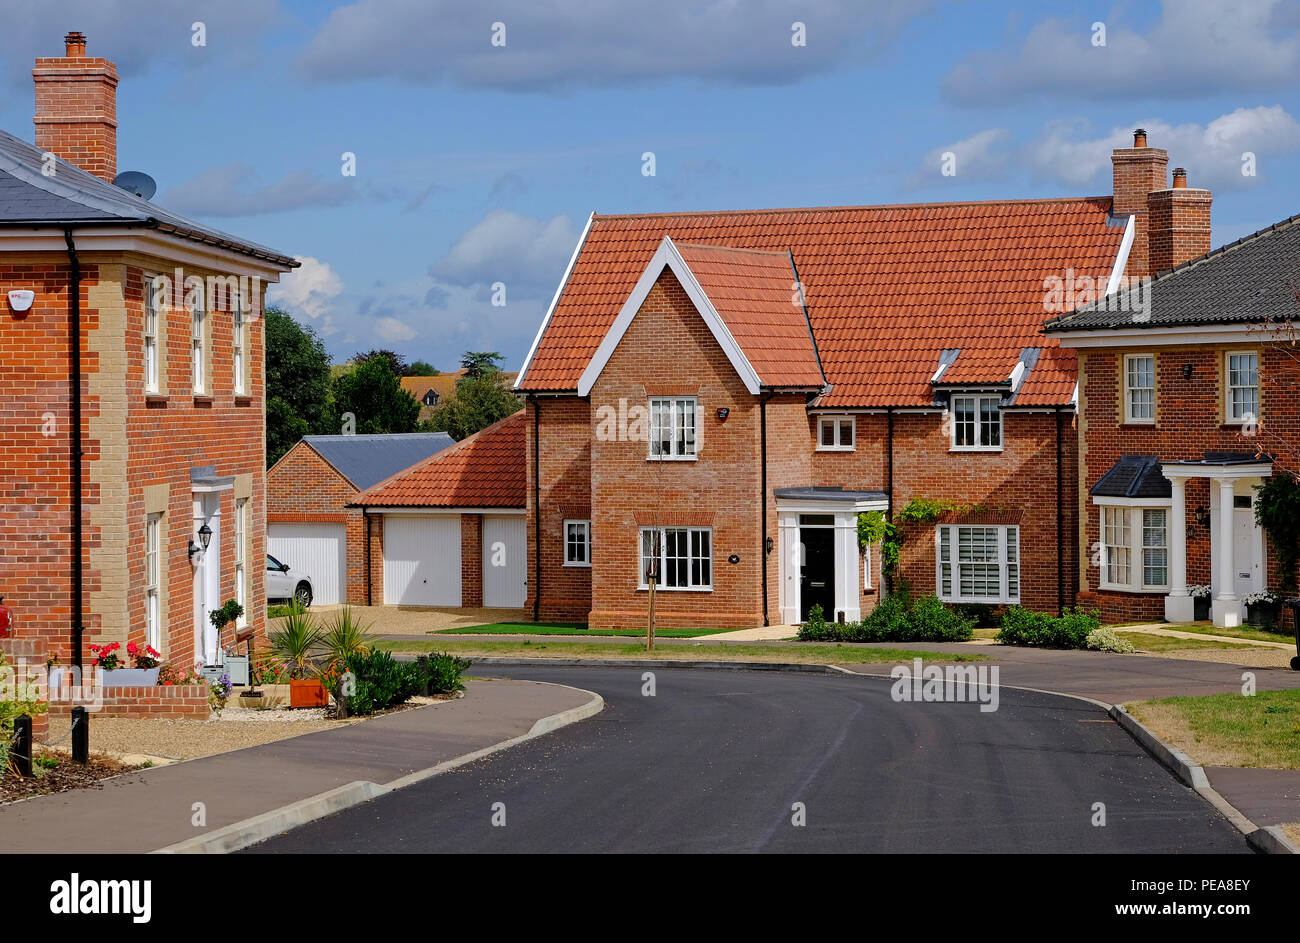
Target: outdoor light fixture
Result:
[1202, 517]
[1187, 371]
[768, 544]
[205, 538]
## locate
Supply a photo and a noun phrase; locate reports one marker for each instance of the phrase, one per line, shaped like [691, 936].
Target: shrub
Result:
[816, 629]
[442, 673]
[1104, 639]
[379, 682]
[1022, 626]
[895, 619]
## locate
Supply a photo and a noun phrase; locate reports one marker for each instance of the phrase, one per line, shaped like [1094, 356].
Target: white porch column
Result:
[1179, 606]
[1226, 608]
[790, 567]
[848, 567]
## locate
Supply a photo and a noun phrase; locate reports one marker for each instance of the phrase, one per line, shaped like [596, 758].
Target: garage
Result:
[318, 550]
[505, 562]
[422, 560]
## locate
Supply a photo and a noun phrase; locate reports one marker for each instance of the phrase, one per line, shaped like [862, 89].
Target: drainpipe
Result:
[762, 553]
[887, 579]
[1060, 523]
[74, 384]
[370, 583]
[537, 505]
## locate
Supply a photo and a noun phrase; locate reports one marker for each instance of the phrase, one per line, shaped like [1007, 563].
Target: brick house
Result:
[449, 531]
[131, 393]
[1187, 401]
[312, 522]
[429, 392]
[714, 398]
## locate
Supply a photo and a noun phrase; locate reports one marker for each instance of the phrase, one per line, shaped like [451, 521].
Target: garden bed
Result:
[61, 777]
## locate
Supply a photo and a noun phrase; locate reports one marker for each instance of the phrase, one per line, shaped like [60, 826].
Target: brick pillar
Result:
[471, 560]
[1137, 171]
[76, 108]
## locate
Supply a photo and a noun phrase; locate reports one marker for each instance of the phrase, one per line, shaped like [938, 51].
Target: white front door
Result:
[207, 576]
[1246, 550]
[505, 565]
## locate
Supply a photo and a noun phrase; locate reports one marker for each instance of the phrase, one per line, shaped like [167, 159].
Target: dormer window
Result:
[836, 433]
[430, 398]
[976, 423]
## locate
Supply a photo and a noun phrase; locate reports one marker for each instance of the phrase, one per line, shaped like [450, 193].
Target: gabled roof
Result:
[484, 470]
[70, 195]
[366, 460]
[888, 288]
[444, 384]
[745, 298]
[1254, 280]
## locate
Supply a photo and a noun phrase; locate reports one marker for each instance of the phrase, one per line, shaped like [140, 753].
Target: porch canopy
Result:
[1236, 541]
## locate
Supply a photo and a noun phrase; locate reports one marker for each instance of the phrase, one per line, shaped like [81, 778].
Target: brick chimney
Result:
[1138, 170]
[76, 108]
[1178, 220]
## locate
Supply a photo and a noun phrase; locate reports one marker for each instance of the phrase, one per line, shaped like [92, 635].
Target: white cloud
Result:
[234, 190]
[982, 156]
[393, 329]
[553, 43]
[310, 289]
[1212, 153]
[526, 253]
[1197, 47]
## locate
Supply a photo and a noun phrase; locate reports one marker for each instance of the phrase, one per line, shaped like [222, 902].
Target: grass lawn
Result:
[1229, 729]
[1244, 632]
[803, 654]
[546, 628]
[1170, 643]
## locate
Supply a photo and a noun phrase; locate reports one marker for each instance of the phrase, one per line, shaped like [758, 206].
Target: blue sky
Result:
[479, 163]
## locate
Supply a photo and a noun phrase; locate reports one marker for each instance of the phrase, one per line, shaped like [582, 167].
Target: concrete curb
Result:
[1271, 840]
[504, 661]
[250, 831]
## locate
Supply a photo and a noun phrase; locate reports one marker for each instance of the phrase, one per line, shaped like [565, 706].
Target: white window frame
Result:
[152, 366]
[1229, 387]
[241, 557]
[198, 339]
[238, 346]
[948, 565]
[982, 445]
[691, 558]
[153, 580]
[1130, 414]
[1128, 523]
[584, 529]
[837, 424]
[690, 437]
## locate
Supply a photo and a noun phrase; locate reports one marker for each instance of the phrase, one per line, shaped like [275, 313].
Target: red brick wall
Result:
[1189, 422]
[76, 111]
[471, 560]
[1136, 172]
[1178, 226]
[565, 463]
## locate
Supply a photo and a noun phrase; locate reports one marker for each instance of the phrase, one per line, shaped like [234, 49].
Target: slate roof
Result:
[366, 460]
[1133, 476]
[30, 198]
[888, 288]
[484, 470]
[820, 493]
[753, 292]
[1251, 281]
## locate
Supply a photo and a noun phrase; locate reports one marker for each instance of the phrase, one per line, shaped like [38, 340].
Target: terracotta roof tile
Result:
[486, 469]
[888, 288]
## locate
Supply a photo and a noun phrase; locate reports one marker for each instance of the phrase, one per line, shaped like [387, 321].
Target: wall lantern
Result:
[205, 538]
[768, 545]
[1202, 517]
[733, 559]
[723, 413]
[1187, 371]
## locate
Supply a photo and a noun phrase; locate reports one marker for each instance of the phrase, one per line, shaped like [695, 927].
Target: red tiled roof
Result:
[753, 291]
[485, 470]
[887, 287]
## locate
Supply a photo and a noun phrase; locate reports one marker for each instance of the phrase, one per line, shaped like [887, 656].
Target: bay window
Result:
[1134, 549]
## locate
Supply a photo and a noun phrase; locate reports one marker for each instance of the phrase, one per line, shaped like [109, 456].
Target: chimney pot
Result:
[1180, 178]
[1140, 137]
[74, 45]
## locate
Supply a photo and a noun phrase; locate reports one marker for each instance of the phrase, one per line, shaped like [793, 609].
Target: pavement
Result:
[735, 761]
[155, 808]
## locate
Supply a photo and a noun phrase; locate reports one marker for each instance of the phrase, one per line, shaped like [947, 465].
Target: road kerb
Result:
[506, 661]
[258, 828]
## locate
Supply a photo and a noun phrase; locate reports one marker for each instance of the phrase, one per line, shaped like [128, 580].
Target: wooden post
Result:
[423, 662]
[21, 752]
[651, 580]
[81, 735]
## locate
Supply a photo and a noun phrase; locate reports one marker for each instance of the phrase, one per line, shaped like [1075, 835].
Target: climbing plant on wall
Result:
[1277, 510]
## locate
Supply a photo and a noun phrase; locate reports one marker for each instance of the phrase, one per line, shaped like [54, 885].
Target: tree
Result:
[421, 368]
[297, 383]
[479, 402]
[373, 395]
[479, 363]
[396, 362]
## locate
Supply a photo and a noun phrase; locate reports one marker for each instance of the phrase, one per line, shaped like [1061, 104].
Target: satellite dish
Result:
[133, 181]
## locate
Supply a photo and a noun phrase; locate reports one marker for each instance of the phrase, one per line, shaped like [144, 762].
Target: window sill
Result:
[977, 600]
[1135, 590]
[1138, 423]
[836, 448]
[676, 589]
[578, 566]
[202, 399]
[671, 458]
[243, 399]
[155, 399]
[982, 448]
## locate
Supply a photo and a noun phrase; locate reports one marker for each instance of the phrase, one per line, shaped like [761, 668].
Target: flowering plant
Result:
[106, 656]
[219, 692]
[1200, 591]
[1264, 597]
[173, 674]
[146, 657]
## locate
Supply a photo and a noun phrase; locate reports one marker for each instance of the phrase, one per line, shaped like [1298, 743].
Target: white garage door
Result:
[319, 550]
[422, 560]
[505, 563]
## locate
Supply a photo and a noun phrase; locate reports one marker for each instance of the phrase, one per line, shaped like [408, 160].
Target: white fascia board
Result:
[555, 299]
[1121, 258]
[1194, 470]
[668, 256]
[152, 242]
[1103, 501]
[1171, 336]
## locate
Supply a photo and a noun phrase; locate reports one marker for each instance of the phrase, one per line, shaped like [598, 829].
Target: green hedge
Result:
[895, 619]
[1021, 626]
[381, 682]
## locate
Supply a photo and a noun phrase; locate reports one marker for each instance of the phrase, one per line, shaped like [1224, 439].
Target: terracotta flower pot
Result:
[308, 694]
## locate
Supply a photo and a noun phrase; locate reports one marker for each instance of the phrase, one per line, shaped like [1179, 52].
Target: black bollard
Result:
[423, 662]
[21, 752]
[81, 735]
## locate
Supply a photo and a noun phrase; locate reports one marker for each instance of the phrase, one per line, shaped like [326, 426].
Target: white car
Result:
[285, 583]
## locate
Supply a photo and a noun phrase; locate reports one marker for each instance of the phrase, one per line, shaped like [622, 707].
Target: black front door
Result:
[817, 583]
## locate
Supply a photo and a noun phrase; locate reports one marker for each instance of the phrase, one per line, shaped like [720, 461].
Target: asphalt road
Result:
[716, 761]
